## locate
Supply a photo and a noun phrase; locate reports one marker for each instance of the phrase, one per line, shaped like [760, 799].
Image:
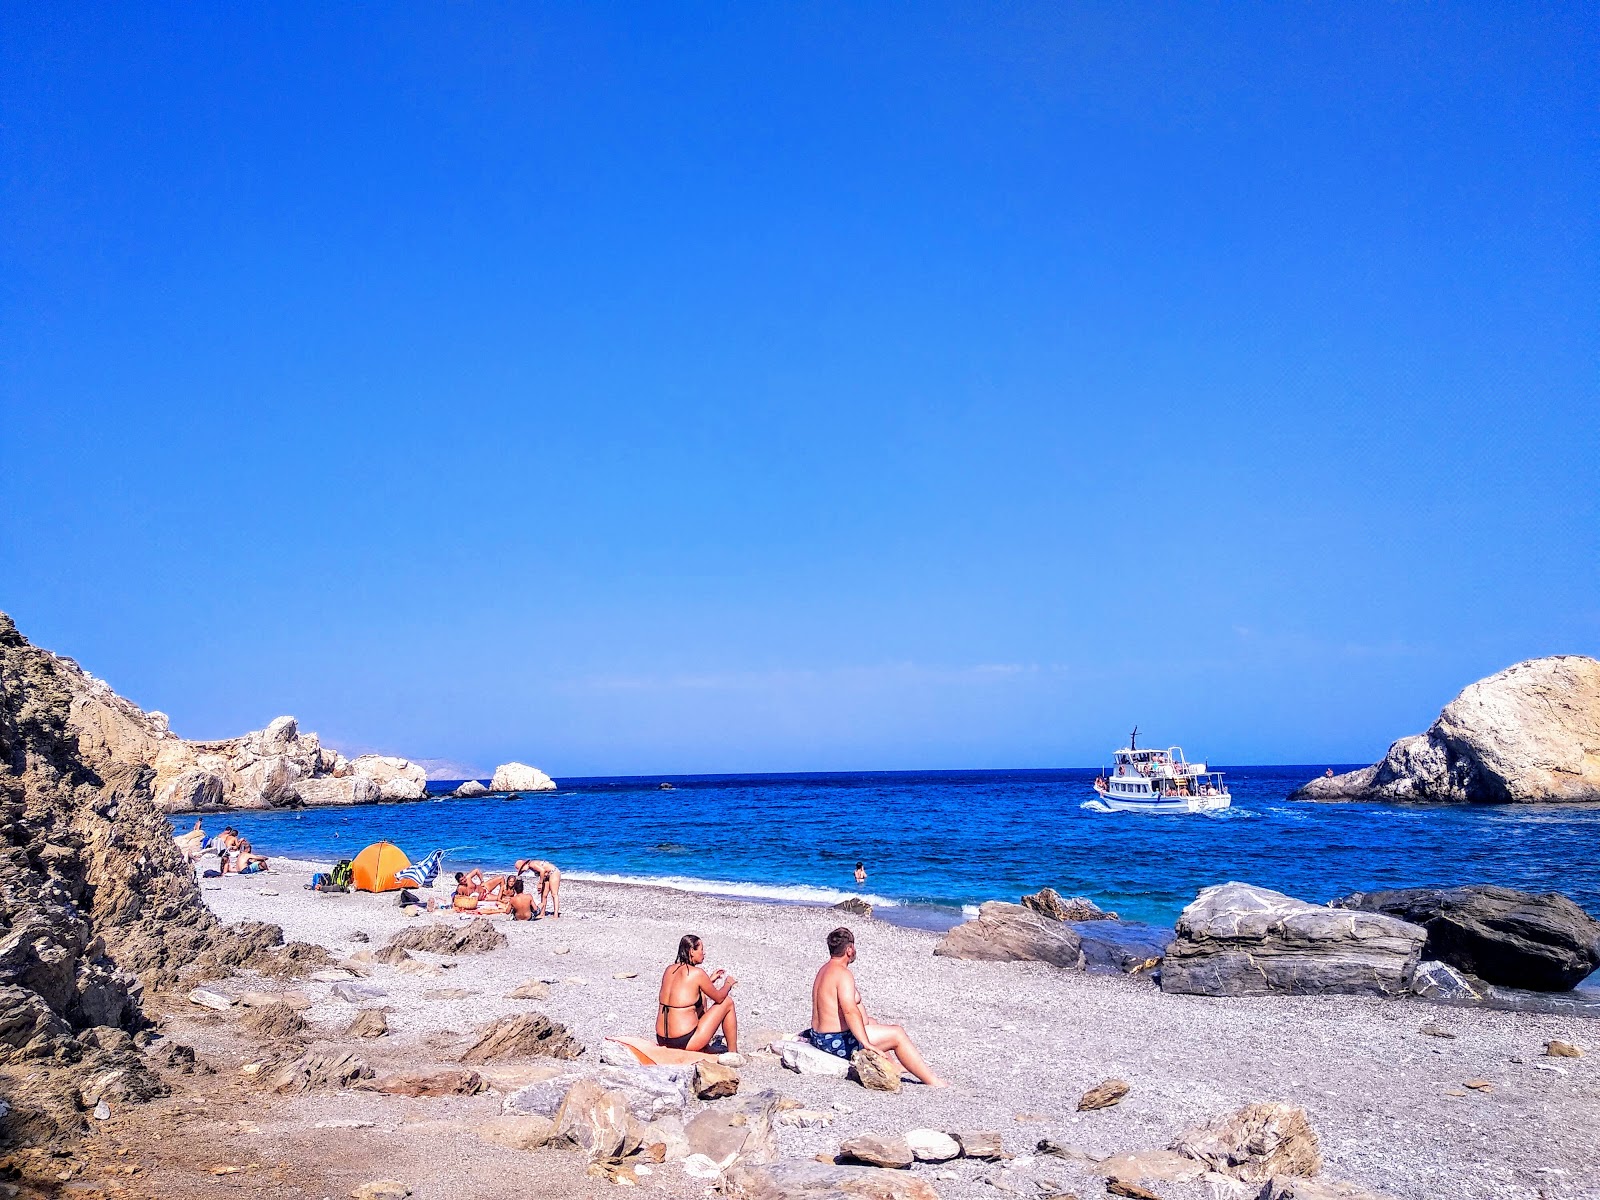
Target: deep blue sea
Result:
[936, 842]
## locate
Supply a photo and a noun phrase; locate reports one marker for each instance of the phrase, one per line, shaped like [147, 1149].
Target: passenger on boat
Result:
[693, 1006]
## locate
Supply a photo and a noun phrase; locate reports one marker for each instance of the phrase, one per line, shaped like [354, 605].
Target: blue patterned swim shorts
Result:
[843, 1043]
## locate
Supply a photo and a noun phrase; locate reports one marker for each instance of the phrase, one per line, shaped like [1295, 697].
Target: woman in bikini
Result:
[692, 1005]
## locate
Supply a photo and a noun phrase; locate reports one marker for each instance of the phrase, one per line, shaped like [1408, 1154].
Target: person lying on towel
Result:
[692, 1006]
[474, 887]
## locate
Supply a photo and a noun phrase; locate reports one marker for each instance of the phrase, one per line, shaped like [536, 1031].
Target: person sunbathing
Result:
[839, 1023]
[692, 1006]
[474, 887]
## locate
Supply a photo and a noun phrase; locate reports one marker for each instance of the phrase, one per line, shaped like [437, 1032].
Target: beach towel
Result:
[422, 874]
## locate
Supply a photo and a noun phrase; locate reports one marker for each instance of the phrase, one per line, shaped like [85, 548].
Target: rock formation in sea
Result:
[471, 788]
[1530, 734]
[273, 767]
[518, 777]
[96, 901]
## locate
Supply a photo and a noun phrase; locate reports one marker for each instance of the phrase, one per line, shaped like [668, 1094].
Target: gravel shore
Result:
[1019, 1041]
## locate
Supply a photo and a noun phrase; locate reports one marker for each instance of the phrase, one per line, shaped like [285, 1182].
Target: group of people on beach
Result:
[695, 1006]
[235, 855]
[489, 895]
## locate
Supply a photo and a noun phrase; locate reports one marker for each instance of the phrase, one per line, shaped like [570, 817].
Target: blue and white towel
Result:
[423, 873]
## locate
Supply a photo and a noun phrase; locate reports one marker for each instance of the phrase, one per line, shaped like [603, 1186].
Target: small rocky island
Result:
[1527, 735]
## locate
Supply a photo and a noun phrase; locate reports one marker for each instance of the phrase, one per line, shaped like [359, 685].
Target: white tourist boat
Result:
[1160, 781]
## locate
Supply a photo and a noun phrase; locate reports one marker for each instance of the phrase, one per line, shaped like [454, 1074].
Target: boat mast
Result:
[1133, 739]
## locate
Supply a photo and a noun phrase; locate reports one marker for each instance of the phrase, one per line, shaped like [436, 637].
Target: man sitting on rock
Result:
[839, 1022]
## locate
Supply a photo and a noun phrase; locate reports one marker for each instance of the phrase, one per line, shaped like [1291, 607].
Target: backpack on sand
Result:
[342, 874]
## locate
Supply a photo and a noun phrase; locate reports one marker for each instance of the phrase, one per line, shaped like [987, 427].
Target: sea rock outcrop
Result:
[1048, 902]
[469, 789]
[1530, 734]
[1500, 935]
[274, 767]
[97, 903]
[1011, 933]
[519, 777]
[1240, 940]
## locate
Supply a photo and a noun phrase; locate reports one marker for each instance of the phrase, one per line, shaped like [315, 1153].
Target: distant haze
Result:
[767, 388]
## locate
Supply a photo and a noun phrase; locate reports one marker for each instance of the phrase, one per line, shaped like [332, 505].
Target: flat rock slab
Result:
[431, 1083]
[1139, 1165]
[1239, 940]
[976, 1143]
[805, 1059]
[206, 998]
[357, 993]
[931, 1145]
[876, 1150]
[800, 1180]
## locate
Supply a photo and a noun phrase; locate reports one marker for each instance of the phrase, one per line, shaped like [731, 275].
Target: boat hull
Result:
[1165, 804]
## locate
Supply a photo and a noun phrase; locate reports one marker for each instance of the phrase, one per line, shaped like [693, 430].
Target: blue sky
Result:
[721, 388]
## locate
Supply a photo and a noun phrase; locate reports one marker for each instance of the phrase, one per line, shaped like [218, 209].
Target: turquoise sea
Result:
[935, 843]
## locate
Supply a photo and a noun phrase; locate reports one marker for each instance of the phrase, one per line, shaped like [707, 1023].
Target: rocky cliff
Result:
[273, 767]
[96, 903]
[1530, 734]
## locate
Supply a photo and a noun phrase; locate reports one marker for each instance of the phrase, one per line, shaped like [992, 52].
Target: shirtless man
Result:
[549, 882]
[521, 903]
[839, 1023]
[692, 1005]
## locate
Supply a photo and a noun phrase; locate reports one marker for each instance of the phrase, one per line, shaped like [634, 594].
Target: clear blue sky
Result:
[744, 387]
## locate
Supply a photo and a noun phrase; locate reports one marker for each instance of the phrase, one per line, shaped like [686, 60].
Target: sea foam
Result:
[783, 893]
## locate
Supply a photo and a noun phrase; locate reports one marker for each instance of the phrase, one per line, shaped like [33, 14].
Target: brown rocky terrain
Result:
[98, 906]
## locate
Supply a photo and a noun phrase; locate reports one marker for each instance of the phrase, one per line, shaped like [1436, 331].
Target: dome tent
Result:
[373, 869]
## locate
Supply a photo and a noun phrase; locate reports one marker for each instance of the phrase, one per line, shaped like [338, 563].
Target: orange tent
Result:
[373, 869]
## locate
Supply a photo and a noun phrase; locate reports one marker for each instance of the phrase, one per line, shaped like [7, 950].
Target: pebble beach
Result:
[1020, 1043]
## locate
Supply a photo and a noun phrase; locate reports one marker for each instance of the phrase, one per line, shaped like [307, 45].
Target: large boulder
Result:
[469, 789]
[518, 777]
[1239, 940]
[1516, 939]
[1530, 734]
[1011, 933]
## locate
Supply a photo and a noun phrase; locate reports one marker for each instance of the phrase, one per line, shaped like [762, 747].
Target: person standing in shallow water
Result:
[692, 1005]
[839, 1023]
[861, 873]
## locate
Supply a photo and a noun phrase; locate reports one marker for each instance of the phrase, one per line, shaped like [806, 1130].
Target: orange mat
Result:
[647, 1052]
